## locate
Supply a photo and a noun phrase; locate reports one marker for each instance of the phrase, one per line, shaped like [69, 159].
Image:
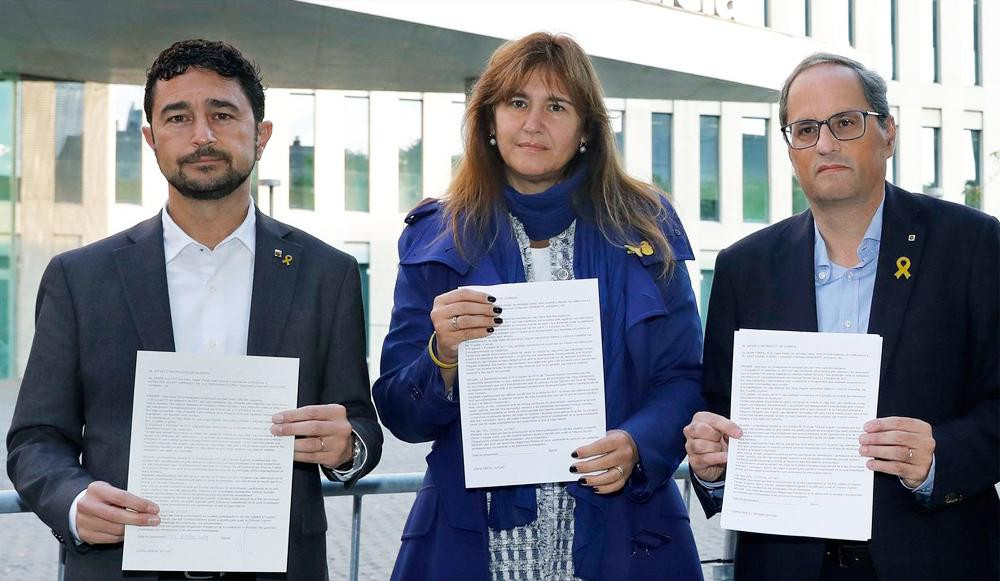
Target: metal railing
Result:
[10, 502]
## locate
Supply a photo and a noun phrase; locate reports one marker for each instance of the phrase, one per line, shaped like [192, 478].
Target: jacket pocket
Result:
[421, 517]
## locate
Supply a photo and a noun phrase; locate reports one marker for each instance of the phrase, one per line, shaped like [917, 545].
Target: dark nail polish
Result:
[573, 469]
[582, 481]
[497, 310]
[574, 454]
[597, 490]
[497, 320]
[491, 299]
[489, 329]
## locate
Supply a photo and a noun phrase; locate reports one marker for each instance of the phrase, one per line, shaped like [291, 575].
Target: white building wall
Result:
[956, 106]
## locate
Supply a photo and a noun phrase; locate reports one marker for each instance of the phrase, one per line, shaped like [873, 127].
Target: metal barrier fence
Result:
[10, 502]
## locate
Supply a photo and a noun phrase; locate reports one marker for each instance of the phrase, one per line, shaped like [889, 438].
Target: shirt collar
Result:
[176, 240]
[867, 250]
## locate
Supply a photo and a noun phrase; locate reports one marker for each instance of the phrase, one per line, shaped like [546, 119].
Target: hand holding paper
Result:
[325, 431]
[707, 444]
[103, 512]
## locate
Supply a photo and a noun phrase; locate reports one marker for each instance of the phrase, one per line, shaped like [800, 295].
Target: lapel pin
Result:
[903, 266]
[911, 237]
[277, 253]
[287, 261]
[643, 249]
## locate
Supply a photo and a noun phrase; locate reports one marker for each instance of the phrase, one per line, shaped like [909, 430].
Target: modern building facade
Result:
[692, 86]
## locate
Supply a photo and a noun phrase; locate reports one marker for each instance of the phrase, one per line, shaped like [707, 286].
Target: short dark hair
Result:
[219, 57]
[872, 84]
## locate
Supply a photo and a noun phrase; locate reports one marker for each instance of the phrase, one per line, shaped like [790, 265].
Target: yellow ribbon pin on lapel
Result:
[287, 261]
[903, 264]
[643, 249]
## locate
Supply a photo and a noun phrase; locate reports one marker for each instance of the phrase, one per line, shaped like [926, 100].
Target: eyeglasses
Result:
[844, 126]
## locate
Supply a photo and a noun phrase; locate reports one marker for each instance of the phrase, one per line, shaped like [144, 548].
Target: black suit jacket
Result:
[99, 304]
[939, 363]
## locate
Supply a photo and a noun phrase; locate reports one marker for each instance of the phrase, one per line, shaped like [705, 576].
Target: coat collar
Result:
[143, 273]
[274, 279]
[903, 236]
[796, 255]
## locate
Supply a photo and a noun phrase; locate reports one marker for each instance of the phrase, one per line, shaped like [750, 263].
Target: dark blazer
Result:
[99, 304]
[939, 364]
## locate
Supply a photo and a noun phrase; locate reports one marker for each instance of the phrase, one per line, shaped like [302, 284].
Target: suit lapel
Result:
[796, 265]
[143, 272]
[274, 280]
[892, 295]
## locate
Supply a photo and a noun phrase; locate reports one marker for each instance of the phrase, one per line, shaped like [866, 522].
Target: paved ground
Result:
[28, 552]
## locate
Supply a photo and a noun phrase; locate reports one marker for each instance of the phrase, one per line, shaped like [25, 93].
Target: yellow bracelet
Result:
[438, 362]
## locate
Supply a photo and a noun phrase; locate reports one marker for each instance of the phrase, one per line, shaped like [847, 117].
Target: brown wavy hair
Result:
[625, 209]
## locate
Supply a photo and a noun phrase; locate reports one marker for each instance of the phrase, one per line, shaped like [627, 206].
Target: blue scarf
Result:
[547, 213]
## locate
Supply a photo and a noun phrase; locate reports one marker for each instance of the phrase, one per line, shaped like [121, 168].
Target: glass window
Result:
[977, 40]
[6, 141]
[618, 127]
[851, 33]
[356, 154]
[128, 144]
[972, 168]
[301, 152]
[930, 70]
[709, 167]
[455, 116]
[707, 276]
[411, 153]
[799, 201]
[69, 142]
[808, 9]
[930, 143]
[755, 170]
[894, 39]
[361, 251]
[662, 138]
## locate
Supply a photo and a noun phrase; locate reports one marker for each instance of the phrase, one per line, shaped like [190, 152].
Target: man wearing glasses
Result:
[869, 257]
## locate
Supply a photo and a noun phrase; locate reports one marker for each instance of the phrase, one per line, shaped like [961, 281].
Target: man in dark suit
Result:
[209, 274]
[869, 257]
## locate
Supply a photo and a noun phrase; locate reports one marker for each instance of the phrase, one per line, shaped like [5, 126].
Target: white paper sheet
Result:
[801, 400]
[201, 449]
[533, 391]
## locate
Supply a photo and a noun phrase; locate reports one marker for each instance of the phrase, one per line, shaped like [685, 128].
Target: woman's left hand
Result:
[612, 458]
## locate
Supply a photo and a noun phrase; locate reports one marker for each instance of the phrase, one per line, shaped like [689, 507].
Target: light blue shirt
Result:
[844, 304]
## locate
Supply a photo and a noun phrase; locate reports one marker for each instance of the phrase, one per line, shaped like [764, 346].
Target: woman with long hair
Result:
[541, 195]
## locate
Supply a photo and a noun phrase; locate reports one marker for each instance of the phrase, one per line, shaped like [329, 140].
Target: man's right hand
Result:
[707, 444]
[103, 512]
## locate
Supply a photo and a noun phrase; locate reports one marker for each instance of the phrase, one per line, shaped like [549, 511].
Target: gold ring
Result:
[322, 446]
[454, 323]
[621, 472]
[909, 455]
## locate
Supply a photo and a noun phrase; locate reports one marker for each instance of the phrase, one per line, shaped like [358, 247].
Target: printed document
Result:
[802, 400]
[533, 391]
[202, 450]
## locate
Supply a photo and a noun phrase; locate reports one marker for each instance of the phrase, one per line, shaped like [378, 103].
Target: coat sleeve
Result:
[346, 375]
[673, 352]
[410, 394]
[967, 450]
[46, 433]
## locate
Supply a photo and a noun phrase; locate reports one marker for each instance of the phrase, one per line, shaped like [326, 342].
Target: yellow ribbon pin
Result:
[287, 261]
[903, 264]
[643, 249]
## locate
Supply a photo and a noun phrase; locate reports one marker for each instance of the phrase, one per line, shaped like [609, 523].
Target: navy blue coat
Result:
[640, 533]
[940, 355]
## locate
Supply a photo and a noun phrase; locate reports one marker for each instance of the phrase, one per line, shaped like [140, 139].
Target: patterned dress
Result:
[542, 549]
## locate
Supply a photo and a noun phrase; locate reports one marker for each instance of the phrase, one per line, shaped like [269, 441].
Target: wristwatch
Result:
[355, 455]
